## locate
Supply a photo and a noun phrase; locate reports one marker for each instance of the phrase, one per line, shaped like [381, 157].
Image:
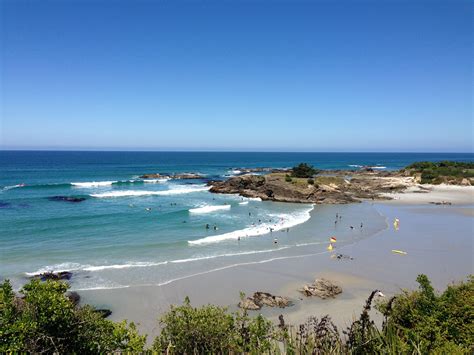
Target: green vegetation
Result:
[45, 320]
[212, 330]
[416, 322]
[288, 178]
[311, 181]
[303, 170]
[328, 180]
[441, 172]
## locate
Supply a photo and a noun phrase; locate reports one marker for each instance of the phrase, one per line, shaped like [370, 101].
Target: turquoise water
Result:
[125, 231]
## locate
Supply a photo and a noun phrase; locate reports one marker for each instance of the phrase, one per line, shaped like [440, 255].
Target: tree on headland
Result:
[303, 170]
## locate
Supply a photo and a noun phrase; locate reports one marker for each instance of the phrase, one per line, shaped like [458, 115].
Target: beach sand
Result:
[438, 241]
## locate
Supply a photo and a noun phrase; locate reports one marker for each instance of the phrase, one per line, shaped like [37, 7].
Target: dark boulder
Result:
[67, 198]
[63, 275]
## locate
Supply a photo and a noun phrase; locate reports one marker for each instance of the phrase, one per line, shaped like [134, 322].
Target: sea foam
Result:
[283, 221]
[209, 209]
[93, 184]
[135, 193]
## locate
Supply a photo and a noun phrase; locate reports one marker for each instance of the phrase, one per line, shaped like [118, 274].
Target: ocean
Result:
[123, 231]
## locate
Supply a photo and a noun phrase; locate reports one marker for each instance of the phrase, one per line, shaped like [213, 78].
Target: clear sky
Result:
[237, 75]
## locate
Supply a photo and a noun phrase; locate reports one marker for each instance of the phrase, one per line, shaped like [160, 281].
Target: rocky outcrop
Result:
[63, 275]
[321, 288]
[260, 299]
[260, 170]
[330, 188]
[187, 176]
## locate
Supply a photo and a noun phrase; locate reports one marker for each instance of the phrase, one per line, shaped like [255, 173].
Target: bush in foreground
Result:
[45, 320]
[211, 330]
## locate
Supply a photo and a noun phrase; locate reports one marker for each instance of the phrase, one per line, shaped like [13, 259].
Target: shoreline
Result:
[424, 233]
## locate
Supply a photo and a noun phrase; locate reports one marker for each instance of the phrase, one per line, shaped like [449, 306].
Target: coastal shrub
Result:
[303, 170]
[440, 172]
[212, 330]
[435, 323]
[43, 319]
[186, 329]
[311, 181]
[288, 178]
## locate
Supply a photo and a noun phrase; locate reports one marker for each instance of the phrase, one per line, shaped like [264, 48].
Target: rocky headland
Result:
[334, 187]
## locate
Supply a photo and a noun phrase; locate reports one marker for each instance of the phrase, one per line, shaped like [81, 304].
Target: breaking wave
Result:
[209, 209]
[283, 221]
[93, 184]
[135, 193]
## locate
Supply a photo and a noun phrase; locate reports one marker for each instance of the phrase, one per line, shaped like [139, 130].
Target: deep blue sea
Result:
[128, 231]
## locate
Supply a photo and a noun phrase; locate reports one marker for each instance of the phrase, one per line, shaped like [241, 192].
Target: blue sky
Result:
[237, 75]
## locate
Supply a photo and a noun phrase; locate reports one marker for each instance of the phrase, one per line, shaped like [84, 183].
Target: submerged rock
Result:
[67, 198]
[63, 275]
[321, 288]
[260, 299]
[5, 204]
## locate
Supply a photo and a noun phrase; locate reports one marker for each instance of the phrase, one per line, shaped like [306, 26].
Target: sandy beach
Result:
[438, 240]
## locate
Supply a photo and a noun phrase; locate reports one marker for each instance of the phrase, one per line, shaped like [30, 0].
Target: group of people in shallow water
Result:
[338, 219]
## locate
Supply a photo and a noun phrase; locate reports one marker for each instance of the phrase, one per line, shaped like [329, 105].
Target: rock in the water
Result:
[260, 299]
[176, 176]
[321, 288]
[5, 204]
[63, 275]
[67, 198]
[104, 312]
[249, 304]
[74, 297]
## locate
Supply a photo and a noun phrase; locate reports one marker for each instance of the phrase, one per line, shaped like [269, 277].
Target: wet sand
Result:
[438, 241]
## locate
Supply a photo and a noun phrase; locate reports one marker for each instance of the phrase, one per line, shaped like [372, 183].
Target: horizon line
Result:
[95, 150]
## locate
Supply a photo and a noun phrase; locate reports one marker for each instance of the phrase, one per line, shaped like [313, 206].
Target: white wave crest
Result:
[283, 221]
[13, 186]
[56, 268]
[244, 203]
[378, 167]
[154, 181]
[253, 199]
[355, 166]
[209, 209]
[92, 184]
[122, 266]
[135, 193]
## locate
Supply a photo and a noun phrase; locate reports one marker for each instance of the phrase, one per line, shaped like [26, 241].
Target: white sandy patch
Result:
[434, 193]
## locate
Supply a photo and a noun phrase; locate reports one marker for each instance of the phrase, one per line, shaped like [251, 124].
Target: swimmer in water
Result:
[148, 209]
[208, 226]
[275, 241]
